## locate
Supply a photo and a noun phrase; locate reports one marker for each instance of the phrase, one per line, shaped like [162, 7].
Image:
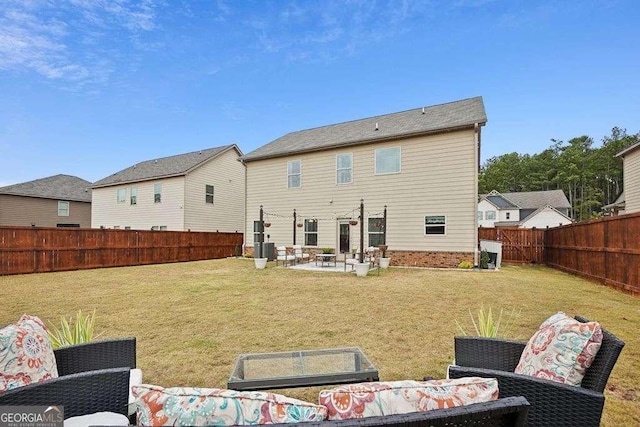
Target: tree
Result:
[590, 177]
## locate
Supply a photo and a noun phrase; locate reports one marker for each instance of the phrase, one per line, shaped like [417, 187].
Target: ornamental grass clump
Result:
[489, 326]
[72, 331]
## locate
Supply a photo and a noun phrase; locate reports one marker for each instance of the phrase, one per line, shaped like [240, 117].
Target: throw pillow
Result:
[561, 350]
[401, 397]
[187, 406]
[26, 354]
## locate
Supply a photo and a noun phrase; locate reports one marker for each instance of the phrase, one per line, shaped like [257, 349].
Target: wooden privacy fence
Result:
[606, 250]
[34, 250]
[519, 245]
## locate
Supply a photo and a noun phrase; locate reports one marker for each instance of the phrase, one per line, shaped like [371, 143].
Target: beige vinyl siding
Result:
[227, 176]
[632, 181]
[25, 211]
[438, 175]
[107, 212]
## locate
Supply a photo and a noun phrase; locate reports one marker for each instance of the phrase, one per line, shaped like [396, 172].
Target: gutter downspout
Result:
[476, 129]
[244, 232]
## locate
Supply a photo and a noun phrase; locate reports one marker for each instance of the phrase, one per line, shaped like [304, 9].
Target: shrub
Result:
[490, 327]
[465, 264]
[72, 331]
[327, 250]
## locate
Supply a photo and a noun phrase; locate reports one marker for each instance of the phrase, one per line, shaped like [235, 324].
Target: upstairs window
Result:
[157, 193]
[122, 195]
[387, 160]
[63, 208]
[294, 174]
[435, 224]
[208, 190]
[344, 168]
[310, 232]
[134, 196]
[490, 214]
[479, 215]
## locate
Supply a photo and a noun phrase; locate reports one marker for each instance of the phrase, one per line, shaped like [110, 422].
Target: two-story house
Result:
[54, 201]
[526, 209]
[198, 191]
[629, 200]
[422, 164]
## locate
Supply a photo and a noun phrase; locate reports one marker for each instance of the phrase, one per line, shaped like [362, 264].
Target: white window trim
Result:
[340, 169]
[154, 192]
[486, 215]
[68, 207]
[124, 198]
[299, 174]
[424, 226]
[375, 161]
[315, 221]
[207, 194]
[131, 196]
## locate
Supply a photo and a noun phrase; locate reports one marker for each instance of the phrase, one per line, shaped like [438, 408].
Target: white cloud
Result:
[320, 31]
[42, 37]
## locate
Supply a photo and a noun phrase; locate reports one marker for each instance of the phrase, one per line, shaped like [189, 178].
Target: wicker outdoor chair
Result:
[93, 377]
[552, 403]
[508, 412]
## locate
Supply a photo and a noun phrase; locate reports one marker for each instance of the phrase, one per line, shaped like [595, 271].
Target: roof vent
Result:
[376, 125]
[422, 110]
[155, 161]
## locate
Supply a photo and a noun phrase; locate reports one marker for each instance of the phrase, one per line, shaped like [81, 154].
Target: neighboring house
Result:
[55, 201]
[527, 209]
[422, 164]
[617, 207]
[631, 178]
[198, 191]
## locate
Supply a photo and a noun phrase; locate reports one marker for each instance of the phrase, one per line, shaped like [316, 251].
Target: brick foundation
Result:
[428, 259]
[411, 258]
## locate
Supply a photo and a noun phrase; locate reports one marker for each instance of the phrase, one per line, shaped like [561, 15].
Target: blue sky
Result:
[89, 87]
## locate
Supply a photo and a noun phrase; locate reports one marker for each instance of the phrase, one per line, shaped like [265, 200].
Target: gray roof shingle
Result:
[501, 202]
[163, 167]
[535, 199]
[59, 187]
[419, 121]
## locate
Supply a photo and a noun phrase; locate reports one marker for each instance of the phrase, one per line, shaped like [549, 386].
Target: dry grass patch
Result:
[191, 320]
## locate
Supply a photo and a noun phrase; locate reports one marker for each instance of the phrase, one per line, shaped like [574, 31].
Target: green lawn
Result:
[192, 319]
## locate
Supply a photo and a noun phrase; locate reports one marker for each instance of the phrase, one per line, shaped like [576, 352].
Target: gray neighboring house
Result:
[54, 201]
[526, 209]
[197, 191]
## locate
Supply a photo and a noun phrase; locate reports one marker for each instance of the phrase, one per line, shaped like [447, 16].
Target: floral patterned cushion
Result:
[26, 355]
[561, 350]
[186, 406]
[401, 397]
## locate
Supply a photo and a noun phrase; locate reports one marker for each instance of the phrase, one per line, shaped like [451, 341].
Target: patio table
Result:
[304, 368]
[328, 258]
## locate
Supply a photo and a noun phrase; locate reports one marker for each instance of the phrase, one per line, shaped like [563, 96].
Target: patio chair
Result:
[370, 255]
[93, 377]
[300, 256]
[552, 403]
[283, 256]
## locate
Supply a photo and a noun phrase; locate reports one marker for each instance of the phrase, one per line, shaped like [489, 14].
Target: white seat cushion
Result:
[135, 378]
[97, 419]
